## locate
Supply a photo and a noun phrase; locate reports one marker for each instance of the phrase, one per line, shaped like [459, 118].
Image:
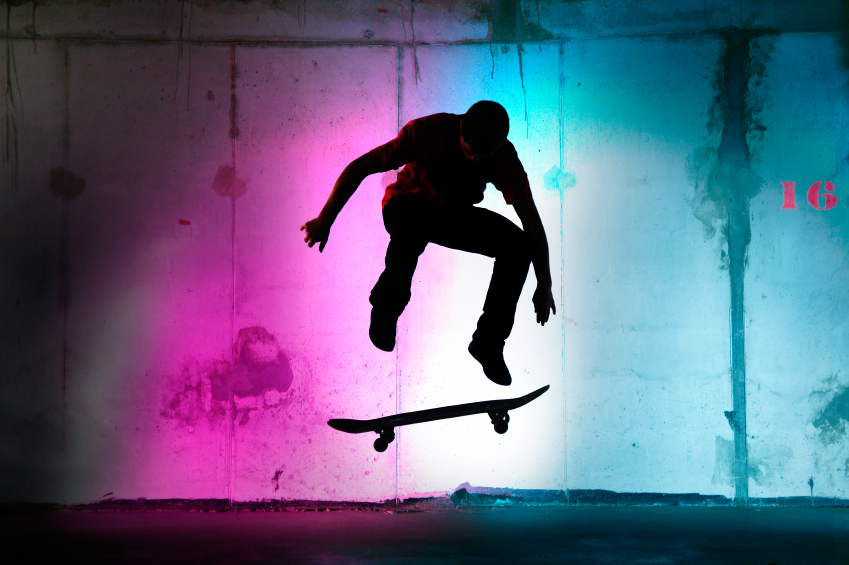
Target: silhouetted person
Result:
[448, 159]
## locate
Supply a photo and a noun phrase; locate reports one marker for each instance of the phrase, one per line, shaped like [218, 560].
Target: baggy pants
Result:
[412, 224]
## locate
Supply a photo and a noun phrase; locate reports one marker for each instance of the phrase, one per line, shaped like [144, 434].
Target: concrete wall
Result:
[167, 334]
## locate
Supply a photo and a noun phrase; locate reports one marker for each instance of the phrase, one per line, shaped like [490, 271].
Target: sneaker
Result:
[492, 361]
[382, 330]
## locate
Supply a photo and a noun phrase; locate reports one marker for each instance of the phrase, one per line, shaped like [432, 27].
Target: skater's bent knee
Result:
[517, 245]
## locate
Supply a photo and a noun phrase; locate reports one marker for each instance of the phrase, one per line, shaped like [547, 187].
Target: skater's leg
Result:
[408, 225]
[481, 231]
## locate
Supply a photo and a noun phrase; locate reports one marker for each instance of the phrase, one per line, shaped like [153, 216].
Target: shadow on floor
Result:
[543, 534]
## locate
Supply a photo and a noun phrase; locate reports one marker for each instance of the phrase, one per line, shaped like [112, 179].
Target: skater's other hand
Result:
[543, 303]
[316, 231]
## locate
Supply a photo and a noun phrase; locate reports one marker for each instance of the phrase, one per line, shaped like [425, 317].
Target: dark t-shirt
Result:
[435, 168]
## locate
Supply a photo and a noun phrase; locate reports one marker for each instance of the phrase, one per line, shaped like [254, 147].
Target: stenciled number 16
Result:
[814, 195]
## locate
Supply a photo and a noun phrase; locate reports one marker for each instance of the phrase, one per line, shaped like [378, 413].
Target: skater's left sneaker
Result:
[382, 329]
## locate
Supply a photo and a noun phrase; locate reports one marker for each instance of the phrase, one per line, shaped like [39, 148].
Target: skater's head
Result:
[483, 129]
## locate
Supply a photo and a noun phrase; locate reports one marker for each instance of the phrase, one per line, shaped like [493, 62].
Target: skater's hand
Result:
[543, 303]
[317, 231]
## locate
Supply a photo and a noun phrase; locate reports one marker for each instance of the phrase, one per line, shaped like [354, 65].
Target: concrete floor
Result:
[692, 535]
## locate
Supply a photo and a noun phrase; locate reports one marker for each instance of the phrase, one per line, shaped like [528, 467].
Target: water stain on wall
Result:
[723, 464]
[768, 462]
[13, 111]
[203, 392]
[533, 30]
[833, 418]
[558, 181]
[843, 38]
[186, 403]
[510, 22]
[227, 184]
[260, 366]
[716, 184]
[720, 173]
[725, 183]
[275, 480]
[65, 185]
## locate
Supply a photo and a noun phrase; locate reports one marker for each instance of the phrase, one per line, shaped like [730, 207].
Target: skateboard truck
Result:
[386, 437]
[499, 420]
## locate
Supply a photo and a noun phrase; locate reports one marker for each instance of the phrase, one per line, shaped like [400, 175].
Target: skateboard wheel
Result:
[499, 421]
[386, 437]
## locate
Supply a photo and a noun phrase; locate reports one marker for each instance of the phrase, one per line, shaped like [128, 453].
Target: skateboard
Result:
[497, 410]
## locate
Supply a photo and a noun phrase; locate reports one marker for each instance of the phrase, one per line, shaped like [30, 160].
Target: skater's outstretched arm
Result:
[532, 224]
[318, 230]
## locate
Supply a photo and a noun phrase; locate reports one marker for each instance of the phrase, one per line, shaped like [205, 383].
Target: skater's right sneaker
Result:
[491, 359]
[382, 329]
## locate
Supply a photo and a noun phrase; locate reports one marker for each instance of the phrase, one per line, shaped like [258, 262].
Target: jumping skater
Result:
[448, 159]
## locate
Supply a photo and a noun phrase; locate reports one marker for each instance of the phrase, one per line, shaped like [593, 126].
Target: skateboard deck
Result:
[497, 410]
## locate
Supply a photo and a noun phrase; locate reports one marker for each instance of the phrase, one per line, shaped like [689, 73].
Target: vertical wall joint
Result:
[231, 427]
